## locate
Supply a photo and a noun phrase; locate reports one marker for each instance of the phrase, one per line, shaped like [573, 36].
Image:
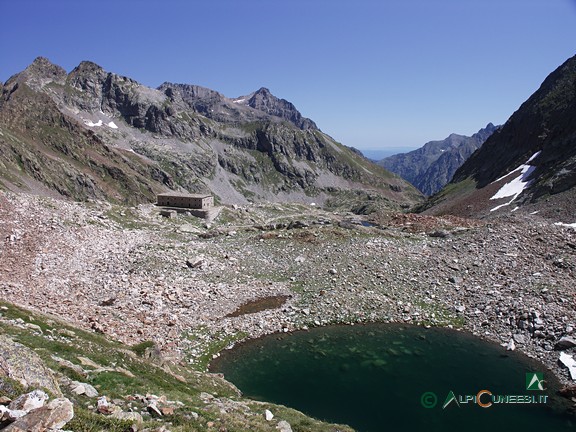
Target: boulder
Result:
[23, 365]
[52, 416]
[568, 361]
[8, 415]
[83, 389]
[129, 416]
[105, 407]
[519, 338]
[29, 401]
[284, 426]
[565, 342]
[154, 410]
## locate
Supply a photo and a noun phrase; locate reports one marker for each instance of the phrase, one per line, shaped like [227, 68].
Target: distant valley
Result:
[530, 162]
[432, 166]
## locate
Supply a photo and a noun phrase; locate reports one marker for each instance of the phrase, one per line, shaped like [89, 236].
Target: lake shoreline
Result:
[414, 339]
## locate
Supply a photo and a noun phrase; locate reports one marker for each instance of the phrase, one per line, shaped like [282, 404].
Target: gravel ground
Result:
[135, 276]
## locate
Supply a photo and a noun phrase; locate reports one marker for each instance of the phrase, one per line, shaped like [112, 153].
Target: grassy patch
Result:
[207, 346]
[87, 421]
[140, 349]
[442, 317]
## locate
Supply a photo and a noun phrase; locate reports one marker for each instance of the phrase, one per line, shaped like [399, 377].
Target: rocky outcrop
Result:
[44, 149]
[30, 413]
[263, 100]
[23, 365]
[260, 106]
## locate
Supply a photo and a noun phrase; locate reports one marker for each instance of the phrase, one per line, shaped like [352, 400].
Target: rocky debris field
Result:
[134, 276]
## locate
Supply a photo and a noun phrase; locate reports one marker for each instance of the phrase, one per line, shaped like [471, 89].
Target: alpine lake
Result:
[379, 377]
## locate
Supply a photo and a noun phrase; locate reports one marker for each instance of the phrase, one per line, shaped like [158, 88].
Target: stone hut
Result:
[191, 201]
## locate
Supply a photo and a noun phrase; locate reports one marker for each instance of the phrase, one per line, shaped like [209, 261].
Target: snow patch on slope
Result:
[566, 225]
[99, 123]
[516, 186]
[568, 361]
[92, 124]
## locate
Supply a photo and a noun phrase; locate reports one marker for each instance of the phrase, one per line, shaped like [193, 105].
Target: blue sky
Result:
[374, 74]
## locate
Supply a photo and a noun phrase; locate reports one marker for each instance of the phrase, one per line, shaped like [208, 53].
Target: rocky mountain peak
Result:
[263, 100]
[263, 94]
[87, 70]
[40, 72]
[41, 67]
[88, 76]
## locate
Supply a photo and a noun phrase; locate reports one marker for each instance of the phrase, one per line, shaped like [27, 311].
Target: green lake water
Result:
[382, 377]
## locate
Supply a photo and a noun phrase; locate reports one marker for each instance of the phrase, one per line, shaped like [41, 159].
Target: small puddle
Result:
[258, 305]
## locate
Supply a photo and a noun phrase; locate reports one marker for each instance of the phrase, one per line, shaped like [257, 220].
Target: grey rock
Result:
[284, 426]
[22, 364]
[29, 401]
[519, 338]
[154, 410]
[129, 416]
[194, 263]
[439, 234]
[52, 416]
[84, 389]
[565, 342]
[455, 280]
[7, 415]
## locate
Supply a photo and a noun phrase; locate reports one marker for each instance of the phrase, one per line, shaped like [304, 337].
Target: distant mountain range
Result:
[92, 134]
[432, 166]
[530, 160]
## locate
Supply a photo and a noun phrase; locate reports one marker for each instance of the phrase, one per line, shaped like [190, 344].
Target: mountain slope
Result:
[534, 154]
[43, 150]
[94, 134]
[432, 166]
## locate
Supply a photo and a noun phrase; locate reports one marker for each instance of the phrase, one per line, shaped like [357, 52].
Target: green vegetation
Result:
[123, 373]
[441, 316]
[451, 190]
[141, 348]
[88, 421]
[126, 218]
[209, 345]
